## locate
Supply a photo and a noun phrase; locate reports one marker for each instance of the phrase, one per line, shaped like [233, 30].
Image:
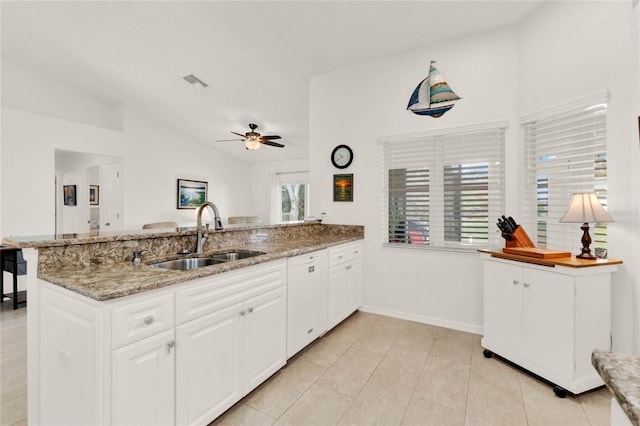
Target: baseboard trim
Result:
[469, 328]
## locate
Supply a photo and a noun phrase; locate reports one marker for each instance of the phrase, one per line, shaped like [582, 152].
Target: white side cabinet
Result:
[547, 319]
[345, 281]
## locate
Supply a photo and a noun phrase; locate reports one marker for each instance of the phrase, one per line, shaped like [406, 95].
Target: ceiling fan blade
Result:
[239, 134]
[229, 140]
[276, 144]
[270, 137]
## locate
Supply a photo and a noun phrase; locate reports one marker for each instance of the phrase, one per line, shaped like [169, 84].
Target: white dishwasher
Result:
[307, 288]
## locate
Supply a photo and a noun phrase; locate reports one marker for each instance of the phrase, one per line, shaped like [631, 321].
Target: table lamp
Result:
[584, 208]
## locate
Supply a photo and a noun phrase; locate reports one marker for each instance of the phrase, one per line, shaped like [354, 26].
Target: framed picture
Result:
[94, 195]
[191, 193]
[69, 195]
[343, 187]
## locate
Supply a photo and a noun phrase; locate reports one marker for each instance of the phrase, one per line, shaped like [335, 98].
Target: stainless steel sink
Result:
[199, 262]
[186, 264]
[236, 255]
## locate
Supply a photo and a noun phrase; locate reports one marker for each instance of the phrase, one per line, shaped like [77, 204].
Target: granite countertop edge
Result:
[108, 282]
[621, 374]
[110, 236]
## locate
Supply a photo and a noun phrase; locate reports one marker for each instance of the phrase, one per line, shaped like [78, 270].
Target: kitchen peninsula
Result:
[114, 342]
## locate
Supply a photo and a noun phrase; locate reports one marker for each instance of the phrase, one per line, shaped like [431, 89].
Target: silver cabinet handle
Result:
[312, 268]
[526, 284]
[516, 282]
[107, 224]
[250, 310]
[242, 312]
[349, 267]
[148, 319]
[170, 345]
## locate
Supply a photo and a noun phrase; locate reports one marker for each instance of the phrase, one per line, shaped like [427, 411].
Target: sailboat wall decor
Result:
[432, 96]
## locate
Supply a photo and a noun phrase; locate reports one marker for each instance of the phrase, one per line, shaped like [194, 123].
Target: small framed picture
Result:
[343, 187]
[94, 195]
[69, 195]
[191, 193]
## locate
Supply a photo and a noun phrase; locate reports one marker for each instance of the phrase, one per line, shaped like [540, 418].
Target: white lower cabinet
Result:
[210, 365]
[143, 382]
[345, 282]
[231, 337]
[548, 319]
[178, 355]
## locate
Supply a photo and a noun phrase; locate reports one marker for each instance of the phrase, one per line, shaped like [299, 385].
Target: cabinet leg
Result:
[487, 353]
[559, 391]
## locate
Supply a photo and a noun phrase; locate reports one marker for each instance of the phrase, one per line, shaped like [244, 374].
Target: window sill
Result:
[421, 247]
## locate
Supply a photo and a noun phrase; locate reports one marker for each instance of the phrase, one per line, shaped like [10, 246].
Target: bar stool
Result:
[11, 260]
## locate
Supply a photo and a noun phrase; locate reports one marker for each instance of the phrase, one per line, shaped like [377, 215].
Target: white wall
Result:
[564, 50]
[154, 154]
[263, 176]
[567, 50]
[361, 104]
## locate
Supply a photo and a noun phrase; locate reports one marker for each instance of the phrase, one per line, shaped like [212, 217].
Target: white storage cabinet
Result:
[345, 281]
[548, 320]
[307, 280]
[232, 337]
[177, 355]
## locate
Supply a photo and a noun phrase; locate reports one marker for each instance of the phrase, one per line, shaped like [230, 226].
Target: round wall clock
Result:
[342, 156]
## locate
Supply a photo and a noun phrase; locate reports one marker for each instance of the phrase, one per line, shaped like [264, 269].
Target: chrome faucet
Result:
[202, 237]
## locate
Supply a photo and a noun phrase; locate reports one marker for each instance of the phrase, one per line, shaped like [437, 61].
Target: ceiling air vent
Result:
[194, 81]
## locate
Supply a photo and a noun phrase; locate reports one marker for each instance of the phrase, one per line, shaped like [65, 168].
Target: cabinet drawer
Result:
[344, 253]
[224, 290]
[140, 319]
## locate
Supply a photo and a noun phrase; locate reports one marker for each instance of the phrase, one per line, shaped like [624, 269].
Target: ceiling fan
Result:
[253, 140]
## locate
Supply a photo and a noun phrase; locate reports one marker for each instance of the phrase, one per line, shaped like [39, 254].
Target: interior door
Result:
[113, 214]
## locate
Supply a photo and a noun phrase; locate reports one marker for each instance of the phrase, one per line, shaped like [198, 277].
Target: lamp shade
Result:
[584, 208]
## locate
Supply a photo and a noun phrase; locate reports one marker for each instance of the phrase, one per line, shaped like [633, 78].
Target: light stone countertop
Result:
[621, 374]
[110, 281]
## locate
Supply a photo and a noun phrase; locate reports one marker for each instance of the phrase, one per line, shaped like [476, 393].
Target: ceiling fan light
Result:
[252, 144]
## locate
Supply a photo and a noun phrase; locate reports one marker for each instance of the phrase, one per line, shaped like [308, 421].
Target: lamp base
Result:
[586, 242]
[587, 256]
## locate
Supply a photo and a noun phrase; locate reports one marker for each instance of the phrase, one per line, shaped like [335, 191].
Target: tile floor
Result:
[369, 370]
[13, 365]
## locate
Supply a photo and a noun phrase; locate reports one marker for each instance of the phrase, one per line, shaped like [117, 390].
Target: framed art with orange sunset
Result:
[343, 187]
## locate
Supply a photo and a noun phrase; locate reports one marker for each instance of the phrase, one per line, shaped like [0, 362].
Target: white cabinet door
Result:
[265, 336]
[209, 363]
[337, 295]
[503, 305]
[548, 320]
[142, 391]
[354, 287]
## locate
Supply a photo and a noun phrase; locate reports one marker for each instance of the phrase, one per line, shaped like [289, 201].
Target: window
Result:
[444, 189]
[565, 152]
[293, 196]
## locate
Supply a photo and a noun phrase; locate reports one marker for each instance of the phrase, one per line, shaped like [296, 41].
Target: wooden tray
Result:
[538, 253]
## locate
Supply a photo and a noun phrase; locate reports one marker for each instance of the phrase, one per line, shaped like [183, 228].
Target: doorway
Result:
[96, 184]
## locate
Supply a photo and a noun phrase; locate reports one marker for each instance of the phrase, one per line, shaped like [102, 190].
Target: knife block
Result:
[519, 239]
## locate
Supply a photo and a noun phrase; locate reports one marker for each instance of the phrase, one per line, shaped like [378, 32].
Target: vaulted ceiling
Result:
[257, 57]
